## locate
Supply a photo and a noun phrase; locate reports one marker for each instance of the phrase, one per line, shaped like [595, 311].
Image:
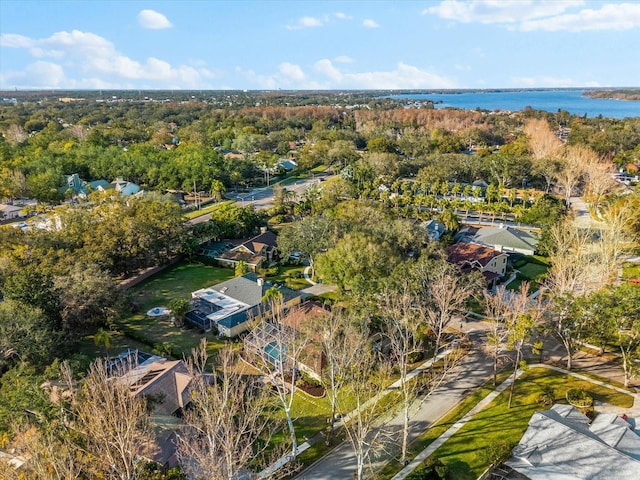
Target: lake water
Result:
[550, 100]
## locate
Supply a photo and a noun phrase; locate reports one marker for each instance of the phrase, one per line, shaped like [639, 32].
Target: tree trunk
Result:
[405, 433]
[568, 348]
[513, 382]
[292, 434]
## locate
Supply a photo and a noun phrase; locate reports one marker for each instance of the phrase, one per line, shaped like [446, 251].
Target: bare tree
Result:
[115, 425]
[572, 171]
[495, 306]
[49, 452]
[598, 179]
[520, 316]
[275, 349]
[546, 149]
[615, 237]
[364, 429]
[226, 427]
[569, 260]
[342, 343]
[445, 294]
[403, 319]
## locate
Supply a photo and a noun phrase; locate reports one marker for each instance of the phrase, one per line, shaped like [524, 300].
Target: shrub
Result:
[496, 453]
[547, 397]
[579, 398]
[431, 469]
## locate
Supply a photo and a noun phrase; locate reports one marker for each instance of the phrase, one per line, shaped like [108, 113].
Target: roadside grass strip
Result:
[461, 446]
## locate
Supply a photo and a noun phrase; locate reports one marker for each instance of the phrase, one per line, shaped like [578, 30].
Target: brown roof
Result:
[312, 355]
[304, 313]
[256, 244]
[462, 253]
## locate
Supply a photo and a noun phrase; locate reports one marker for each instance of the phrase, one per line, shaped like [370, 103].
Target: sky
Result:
[309, 45]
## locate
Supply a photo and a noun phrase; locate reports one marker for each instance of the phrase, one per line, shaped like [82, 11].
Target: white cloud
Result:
[326, 68]
[550, 82]
[306, 22]
[313, 22]
[368, 23]
[153, 20]
[615, 17]
[403, 76]
[291, 72]
[342, 16]
[343, 59]
[548, 15]
[90, 59]
[499, 11]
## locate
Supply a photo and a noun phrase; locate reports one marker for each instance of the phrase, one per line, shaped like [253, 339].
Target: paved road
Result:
[473, 371]
[261, 198]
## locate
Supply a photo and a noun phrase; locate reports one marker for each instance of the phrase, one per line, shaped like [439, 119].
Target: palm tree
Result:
[217, 189]
[179, 308]
[103, 337]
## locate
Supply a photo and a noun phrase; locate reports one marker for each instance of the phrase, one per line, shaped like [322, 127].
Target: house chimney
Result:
[260, 282]
[263, 229]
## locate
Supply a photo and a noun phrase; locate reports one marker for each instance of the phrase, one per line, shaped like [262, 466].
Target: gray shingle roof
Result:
[559, 445]
[506, 237]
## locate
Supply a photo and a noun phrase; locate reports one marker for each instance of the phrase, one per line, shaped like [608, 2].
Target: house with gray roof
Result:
[562, 444]
[230, 306]
[434, 229]
[507, 239]
[9, 212]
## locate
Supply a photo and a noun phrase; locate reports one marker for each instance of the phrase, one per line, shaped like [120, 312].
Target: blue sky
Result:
[302, 44]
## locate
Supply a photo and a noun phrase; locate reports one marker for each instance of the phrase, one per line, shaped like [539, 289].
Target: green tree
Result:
[217, 189]
[179, 308]
[449, 219]
[26, 335]
[241, 268]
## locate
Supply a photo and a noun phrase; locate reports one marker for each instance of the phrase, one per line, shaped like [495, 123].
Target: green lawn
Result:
[532, 271]
[496, 423]
[177, 281]
[207, 209]
[319, 169]
[291, 276]
[630, 270]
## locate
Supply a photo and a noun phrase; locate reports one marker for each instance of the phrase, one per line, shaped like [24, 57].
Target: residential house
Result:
[9, 212]
[268, 338]
[98, 186]
[471, 256]
[285, 164]
[125, 188]
[562, 443]
[434, 229]
[506, 239]
[232, 305]
[166, 385]
[74, 183]
[254, 252]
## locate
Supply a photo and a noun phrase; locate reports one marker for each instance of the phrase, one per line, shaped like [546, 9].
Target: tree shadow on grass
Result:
[460, 470]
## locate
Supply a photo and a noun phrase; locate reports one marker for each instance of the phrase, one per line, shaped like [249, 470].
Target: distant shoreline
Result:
[626, 94]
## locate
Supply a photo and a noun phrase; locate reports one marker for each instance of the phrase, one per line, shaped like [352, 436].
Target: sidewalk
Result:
[634, 411]
[472, 371]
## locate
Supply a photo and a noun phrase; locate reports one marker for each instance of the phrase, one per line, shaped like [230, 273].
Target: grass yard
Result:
[290, 276]
[207, 209]
[530, 269]
[177, 281]
[630, 270]
[463, 453]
